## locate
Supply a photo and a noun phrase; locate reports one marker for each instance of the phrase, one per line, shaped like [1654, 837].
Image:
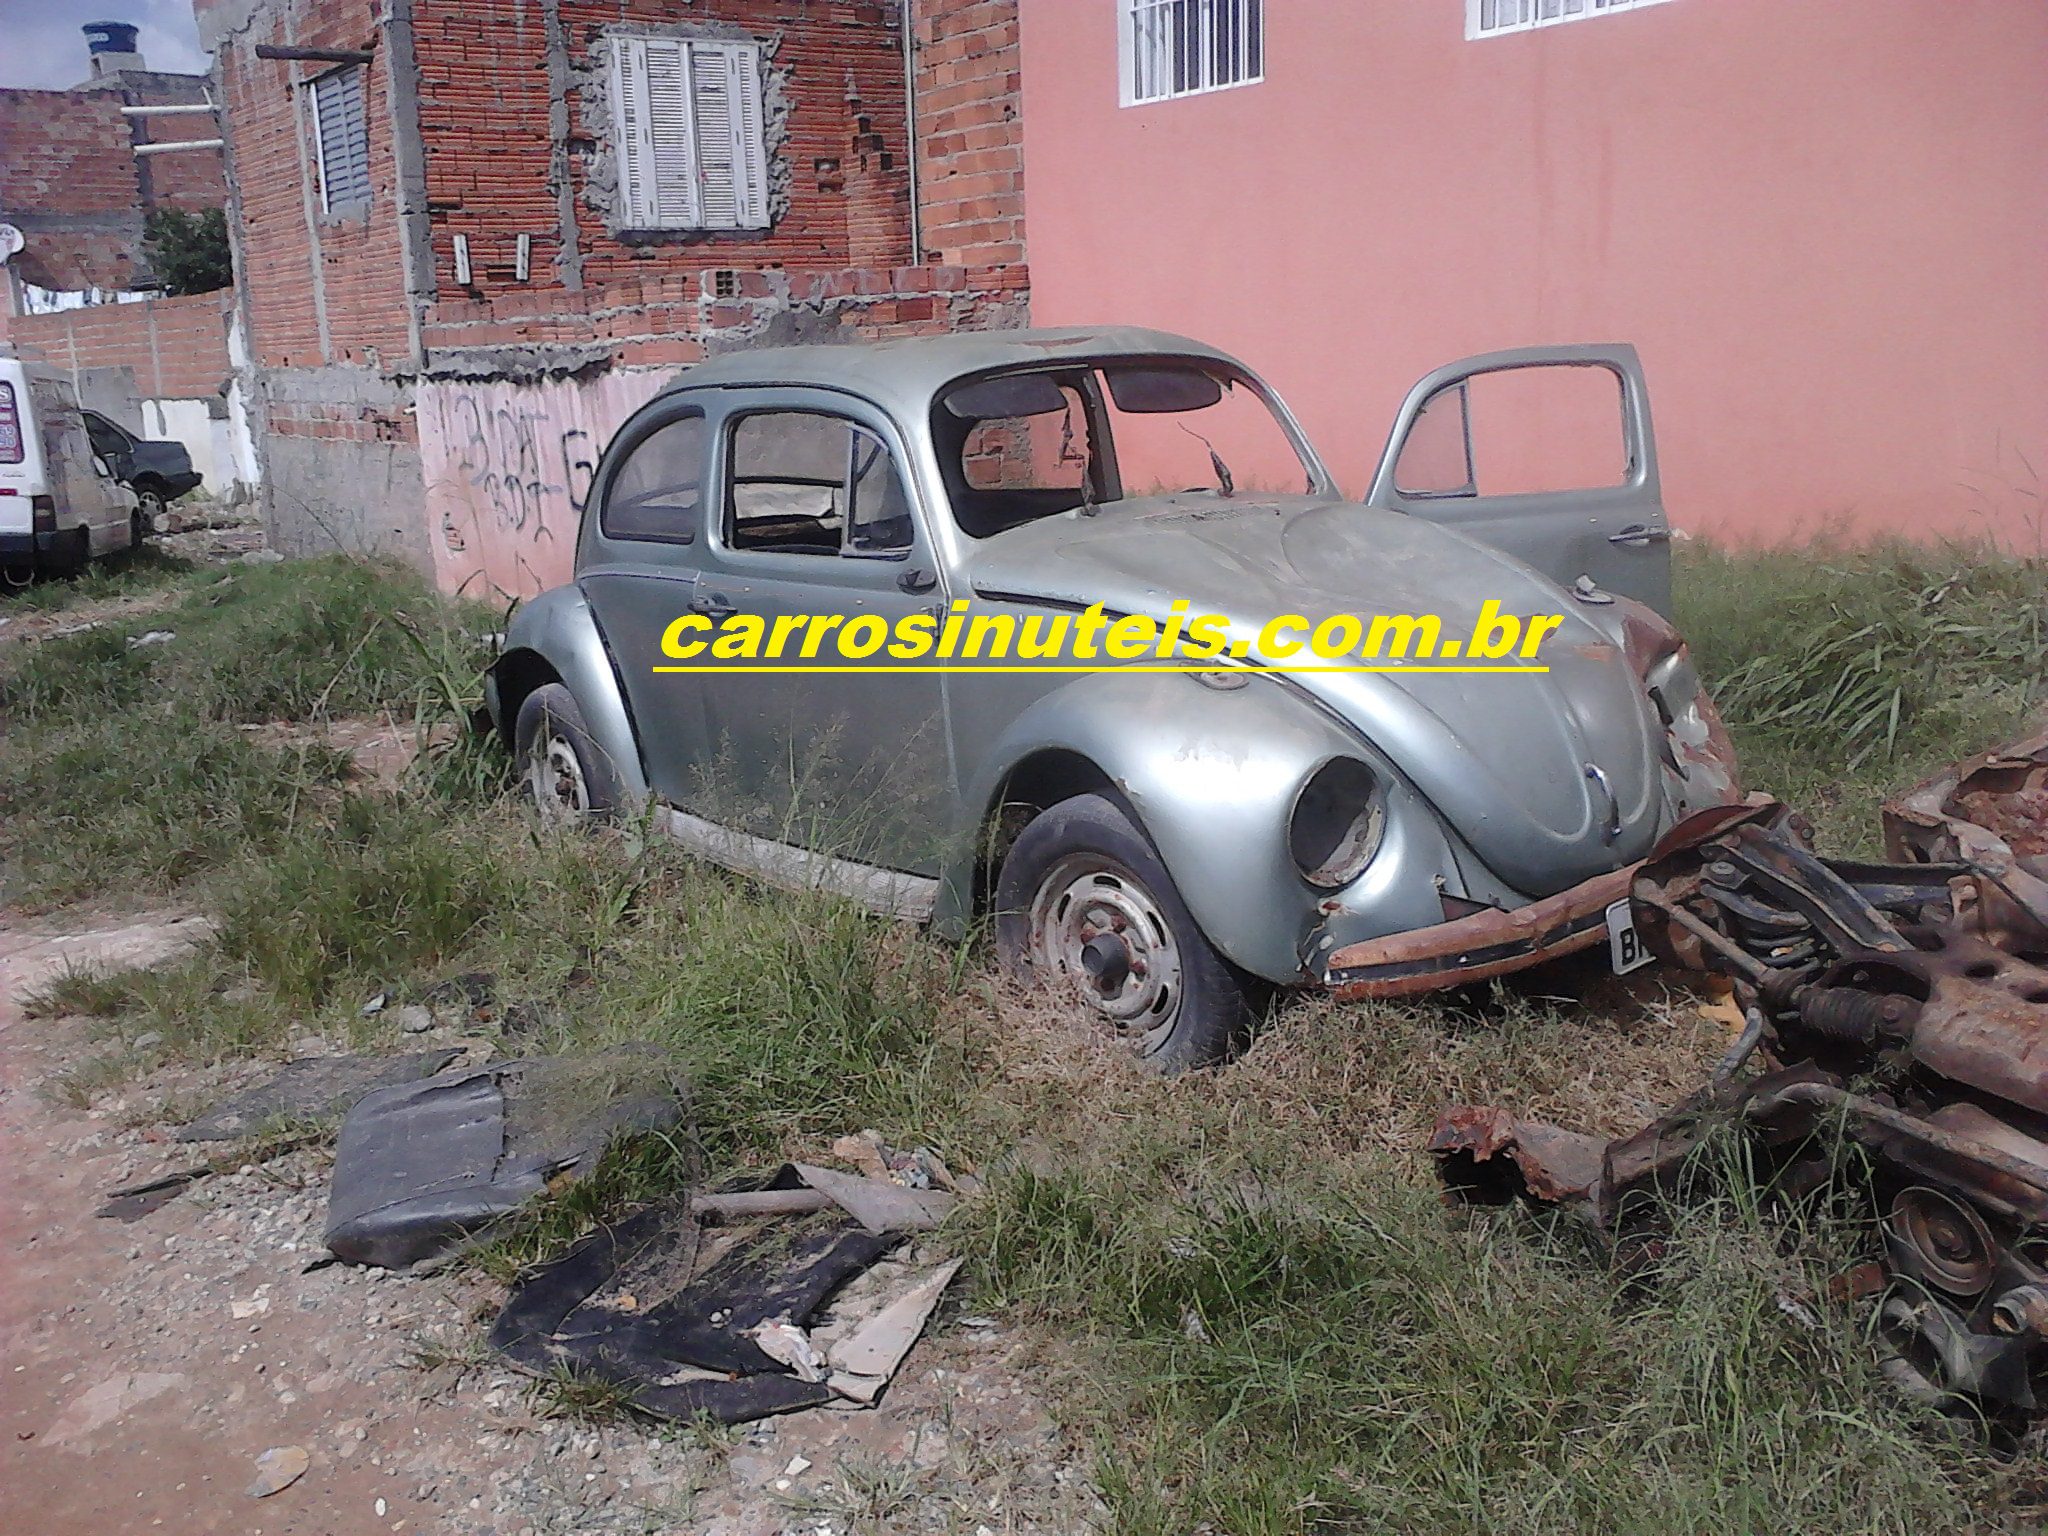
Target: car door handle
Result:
[1636, 535]
[715, 604]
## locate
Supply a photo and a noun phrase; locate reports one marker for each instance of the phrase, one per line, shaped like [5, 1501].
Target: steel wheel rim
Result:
[554, 777]
[1099, 934]
[153, 504]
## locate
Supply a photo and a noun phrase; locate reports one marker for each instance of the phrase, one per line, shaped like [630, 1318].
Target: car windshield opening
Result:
[1033, 442]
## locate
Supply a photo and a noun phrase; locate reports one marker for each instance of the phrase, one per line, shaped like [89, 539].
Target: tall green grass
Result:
[1847, 673]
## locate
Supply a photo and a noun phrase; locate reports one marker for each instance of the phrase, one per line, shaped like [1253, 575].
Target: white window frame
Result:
[326, 93]
[679, 166]
[1510, 16]
[1145, 47]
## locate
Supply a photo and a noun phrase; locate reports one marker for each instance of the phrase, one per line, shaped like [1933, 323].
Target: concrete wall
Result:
[341, 463]
[1822, 223]
[507, 466]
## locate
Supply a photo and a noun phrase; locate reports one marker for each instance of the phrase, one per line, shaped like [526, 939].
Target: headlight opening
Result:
[1338, 819]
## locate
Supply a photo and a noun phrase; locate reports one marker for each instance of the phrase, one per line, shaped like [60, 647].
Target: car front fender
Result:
[558, 630]
[1212, 775]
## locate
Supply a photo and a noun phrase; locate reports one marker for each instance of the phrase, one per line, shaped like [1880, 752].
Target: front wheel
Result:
[1084, 905]
[567, 777]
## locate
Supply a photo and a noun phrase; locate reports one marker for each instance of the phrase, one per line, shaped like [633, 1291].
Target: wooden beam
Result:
[316, 55]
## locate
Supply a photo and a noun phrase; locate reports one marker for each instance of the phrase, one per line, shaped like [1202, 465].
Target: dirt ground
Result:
[146, 1365]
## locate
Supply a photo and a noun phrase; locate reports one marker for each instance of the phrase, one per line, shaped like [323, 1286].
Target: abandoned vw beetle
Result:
[1167, 845]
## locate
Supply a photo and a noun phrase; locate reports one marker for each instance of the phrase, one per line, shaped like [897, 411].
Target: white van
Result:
[60, 504]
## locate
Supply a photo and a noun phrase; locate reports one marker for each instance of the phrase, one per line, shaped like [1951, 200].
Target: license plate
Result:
[1625, 946]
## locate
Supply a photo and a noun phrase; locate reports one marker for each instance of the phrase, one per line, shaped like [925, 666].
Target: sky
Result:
[44, 47]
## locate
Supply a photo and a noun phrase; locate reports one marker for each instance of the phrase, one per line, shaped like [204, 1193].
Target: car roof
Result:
[907, 372]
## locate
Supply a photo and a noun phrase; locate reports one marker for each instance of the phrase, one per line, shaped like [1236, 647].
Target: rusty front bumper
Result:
[1483, 945]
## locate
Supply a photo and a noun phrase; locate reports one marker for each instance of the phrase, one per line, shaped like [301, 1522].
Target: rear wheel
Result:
[1085, 906]
[567, 777]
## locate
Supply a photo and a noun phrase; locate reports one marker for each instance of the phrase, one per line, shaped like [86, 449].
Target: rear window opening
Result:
[1028, 443]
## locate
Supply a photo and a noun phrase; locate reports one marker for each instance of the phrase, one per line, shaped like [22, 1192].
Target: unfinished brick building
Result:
[474, 234]
[71, 179]
[80, 171]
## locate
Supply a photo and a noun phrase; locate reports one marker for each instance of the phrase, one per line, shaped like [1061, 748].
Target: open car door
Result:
[1545, 452]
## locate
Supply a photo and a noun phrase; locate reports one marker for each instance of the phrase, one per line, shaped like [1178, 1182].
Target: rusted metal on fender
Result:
[1551, 1165]
[1480, 946]
[1990, 812]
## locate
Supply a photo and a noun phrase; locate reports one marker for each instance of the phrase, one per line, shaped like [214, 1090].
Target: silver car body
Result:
[1513, 804]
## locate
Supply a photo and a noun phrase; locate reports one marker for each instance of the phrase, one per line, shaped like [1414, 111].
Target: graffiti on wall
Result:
[509, 467]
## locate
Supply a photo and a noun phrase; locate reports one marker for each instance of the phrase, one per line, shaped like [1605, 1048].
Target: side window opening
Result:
[658, 493]
[1522, 431]
[811, 484]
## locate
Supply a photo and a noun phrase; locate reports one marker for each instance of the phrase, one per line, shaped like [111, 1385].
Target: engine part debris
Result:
[1894, 1010]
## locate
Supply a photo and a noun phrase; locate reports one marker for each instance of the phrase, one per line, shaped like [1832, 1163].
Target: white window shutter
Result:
[635, 149]
[692, 150]
[732, 155]
[674, 149]
[750, 130]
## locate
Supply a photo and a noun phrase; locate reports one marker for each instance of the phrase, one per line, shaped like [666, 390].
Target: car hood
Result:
[1509, 760]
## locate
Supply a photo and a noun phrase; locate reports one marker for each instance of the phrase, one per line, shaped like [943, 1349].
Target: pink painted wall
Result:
[1823, 222]
[507, 467]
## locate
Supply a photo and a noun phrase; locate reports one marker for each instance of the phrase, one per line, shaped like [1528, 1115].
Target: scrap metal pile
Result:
[1896, 1043]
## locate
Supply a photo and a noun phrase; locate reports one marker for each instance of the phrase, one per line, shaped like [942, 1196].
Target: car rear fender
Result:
[1212, 776]
[555, 638]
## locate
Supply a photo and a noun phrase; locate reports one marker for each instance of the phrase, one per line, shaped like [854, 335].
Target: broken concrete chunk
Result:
[421, 1166]
[782, 1341]
[877, 1347]
[311, 1088]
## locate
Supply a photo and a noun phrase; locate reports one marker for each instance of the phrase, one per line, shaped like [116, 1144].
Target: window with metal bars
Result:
[1491, 18]
[689, 134]
[1174, 48]
[341, 141]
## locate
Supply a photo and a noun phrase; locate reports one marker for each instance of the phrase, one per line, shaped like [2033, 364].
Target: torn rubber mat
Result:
[311, 1088]
[421, 1166]
[658, 1305]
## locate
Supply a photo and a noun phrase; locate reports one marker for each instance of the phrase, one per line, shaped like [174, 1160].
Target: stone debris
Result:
[277, 1469]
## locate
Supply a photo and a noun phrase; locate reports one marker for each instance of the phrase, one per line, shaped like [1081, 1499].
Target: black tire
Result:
[154, 503]
[567, 777]
[1085, 867]
[138, 529]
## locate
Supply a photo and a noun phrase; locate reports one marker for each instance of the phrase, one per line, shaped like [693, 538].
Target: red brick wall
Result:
[67, 155]
[351, 269]
[177, 348]
[970, 138]
[191, 179]
[484, 119]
